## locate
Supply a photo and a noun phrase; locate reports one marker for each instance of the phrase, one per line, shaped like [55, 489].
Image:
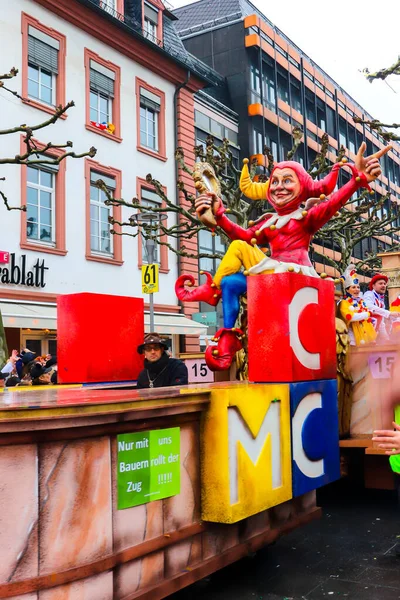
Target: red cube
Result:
[97, 338]
[291, 328]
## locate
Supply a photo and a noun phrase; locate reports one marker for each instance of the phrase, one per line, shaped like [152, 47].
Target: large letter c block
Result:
[315, 436]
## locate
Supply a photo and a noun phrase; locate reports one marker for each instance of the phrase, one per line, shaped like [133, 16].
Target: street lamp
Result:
[149, 223]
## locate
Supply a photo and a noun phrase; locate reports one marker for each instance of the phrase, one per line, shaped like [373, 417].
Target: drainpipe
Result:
[178, 89]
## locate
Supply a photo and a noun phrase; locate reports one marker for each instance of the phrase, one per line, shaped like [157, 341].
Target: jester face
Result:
[290, 186]
[284, 187]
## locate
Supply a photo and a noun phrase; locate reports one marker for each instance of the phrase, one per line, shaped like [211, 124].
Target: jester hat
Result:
[309, 188]
[350, 277]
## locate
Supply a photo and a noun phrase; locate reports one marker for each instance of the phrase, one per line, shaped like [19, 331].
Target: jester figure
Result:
[287, 232]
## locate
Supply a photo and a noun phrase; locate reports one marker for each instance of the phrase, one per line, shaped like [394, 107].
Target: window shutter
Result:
[151, 13]
[109, 181]
[150, 100]
[101, 83]
[42, 55]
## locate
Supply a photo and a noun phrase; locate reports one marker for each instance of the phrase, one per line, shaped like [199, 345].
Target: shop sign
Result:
[148, 466]
[19, 274]
[206, 318]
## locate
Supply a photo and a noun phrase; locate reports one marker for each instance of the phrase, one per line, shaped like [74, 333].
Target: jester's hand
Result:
[370, 164]
[207, 201]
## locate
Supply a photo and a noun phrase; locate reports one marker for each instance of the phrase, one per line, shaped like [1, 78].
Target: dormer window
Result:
[109, 6]
[151, 22]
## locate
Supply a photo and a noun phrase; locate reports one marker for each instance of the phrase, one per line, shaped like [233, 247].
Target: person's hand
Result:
[394, 316]
[206, 201]
[388, 440]
[370, 164]
[14, 356]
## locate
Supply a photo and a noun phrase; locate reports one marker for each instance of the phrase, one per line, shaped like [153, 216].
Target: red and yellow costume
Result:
[287, 232]
[355, 313]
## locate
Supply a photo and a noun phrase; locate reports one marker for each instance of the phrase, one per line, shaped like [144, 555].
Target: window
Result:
[101, 93]
[43, 194]
[269, 82]
[310, 105]
[151, 120]
[101, 244]
[342, 132]
[321, 115]
[100, 236]
[153, 20]
[283, 85]
[352, 139]
[258, 145]
[149, 123]
[148, 197]
[331, 121]
[295, 94]
[40, 205]
[102, 96]
[255, 83]
[43, 65]
[150, 200]
[150, 22]
[109, 5]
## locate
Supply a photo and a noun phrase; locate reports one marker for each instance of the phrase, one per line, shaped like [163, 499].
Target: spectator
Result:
[159, 369]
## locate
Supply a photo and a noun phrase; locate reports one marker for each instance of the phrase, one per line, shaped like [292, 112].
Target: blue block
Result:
[315, 435]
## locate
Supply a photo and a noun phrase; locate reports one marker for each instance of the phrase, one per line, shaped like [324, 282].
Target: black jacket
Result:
[164, 372]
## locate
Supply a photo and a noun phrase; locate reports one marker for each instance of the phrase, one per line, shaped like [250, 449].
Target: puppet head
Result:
[308, 188]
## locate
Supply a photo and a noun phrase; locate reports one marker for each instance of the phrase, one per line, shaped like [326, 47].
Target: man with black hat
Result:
[159, 369]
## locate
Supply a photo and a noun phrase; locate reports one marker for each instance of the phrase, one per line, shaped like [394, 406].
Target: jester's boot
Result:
[220, 357]
[207, 292]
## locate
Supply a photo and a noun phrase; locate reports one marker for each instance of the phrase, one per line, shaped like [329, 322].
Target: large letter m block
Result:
[291, 328]
[246, 452]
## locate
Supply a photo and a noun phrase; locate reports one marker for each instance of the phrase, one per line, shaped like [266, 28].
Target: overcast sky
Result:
[343, 38]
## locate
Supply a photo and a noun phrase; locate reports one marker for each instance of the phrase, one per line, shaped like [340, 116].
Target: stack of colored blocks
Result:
[277, 437]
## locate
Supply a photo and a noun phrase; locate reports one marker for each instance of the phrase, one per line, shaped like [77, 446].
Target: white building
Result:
[112, 62]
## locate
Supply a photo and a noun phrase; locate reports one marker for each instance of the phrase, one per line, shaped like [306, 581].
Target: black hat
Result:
[151, 338]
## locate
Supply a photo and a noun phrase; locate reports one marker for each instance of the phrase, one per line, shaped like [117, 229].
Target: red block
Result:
[291, 328]
[97, 338]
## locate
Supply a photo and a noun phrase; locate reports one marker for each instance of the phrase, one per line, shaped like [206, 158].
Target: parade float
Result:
[113, 492]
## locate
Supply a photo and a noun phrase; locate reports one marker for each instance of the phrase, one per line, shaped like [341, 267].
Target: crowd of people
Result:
[366, 314]
[26, 368]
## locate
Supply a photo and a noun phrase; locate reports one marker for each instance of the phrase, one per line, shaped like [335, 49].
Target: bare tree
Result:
[33, 155]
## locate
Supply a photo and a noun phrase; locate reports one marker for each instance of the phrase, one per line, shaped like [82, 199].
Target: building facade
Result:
[132, 83]
[275, 86]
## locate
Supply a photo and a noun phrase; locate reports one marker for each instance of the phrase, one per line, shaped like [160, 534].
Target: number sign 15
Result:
[198, 371]
[381, 364]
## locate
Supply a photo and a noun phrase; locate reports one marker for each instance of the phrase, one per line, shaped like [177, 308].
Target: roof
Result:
[206, 15]
[171, 45]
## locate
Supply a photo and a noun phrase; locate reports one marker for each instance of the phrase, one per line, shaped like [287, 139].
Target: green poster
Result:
[148, 466]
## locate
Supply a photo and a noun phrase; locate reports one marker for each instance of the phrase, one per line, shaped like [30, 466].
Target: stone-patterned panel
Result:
[75, 503]
[18, 513]
[99, 587]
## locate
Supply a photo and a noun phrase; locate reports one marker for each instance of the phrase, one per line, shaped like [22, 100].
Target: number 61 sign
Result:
[150, 279]
[198, 371]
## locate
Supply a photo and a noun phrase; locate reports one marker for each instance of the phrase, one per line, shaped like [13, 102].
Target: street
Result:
[348, 554]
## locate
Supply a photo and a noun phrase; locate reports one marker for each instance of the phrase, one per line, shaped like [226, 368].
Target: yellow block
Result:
[245, 452]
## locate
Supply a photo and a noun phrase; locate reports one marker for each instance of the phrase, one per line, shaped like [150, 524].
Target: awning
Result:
[30, 315]
[27, 315]
[176, 324]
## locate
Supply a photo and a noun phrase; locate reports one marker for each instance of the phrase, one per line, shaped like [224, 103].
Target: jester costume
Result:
[288, 233]
[355, 313]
